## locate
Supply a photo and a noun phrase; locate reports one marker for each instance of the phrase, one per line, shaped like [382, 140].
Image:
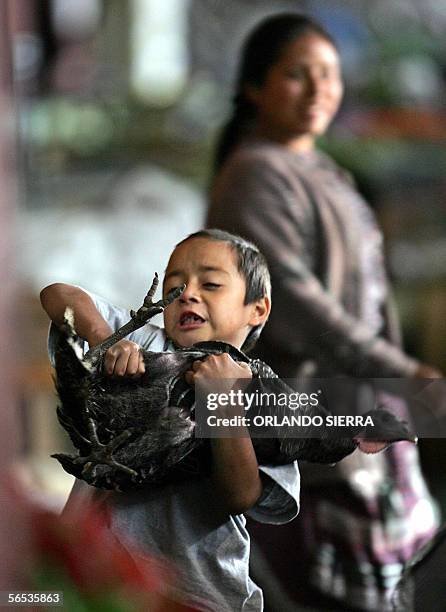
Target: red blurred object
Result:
[96, 562]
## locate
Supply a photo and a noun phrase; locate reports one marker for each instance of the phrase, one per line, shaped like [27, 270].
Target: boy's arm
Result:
[89, 323]
[235, 470]
[122, 359]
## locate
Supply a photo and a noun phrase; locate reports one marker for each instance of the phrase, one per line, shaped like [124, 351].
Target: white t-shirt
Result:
[182, 522]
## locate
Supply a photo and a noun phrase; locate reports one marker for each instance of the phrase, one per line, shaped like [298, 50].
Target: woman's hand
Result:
[427, 371]
[124, 359]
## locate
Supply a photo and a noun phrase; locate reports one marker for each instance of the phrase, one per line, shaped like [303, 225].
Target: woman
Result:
[332, 313]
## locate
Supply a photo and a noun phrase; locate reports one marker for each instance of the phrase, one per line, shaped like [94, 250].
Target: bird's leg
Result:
[138, 319]
[102, 454]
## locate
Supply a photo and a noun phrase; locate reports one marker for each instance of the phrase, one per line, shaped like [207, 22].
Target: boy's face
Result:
[212, 305]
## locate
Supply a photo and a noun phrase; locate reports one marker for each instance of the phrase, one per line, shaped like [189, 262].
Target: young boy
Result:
[198, 525]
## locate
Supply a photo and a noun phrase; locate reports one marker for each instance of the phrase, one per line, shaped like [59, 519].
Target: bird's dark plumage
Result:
[130, 432]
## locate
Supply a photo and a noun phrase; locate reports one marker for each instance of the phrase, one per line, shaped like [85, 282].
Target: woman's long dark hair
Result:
[261, 50]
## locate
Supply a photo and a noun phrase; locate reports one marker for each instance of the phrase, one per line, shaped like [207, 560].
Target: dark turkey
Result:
[131, 432]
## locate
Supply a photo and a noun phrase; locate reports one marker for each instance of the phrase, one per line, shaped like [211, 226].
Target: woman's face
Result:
[301, 93]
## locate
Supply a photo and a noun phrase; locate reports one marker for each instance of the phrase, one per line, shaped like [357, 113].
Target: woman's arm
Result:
[258, 201]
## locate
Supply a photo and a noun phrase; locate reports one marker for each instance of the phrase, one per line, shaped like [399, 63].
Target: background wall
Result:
[118, 106]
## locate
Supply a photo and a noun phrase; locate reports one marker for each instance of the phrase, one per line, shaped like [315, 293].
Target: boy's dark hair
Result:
[262, 49]
[252, 266]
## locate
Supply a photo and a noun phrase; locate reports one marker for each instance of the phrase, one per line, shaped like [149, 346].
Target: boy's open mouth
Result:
[190, 320]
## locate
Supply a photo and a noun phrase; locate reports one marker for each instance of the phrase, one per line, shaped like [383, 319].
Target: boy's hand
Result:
[124, 359]
[221, 368]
